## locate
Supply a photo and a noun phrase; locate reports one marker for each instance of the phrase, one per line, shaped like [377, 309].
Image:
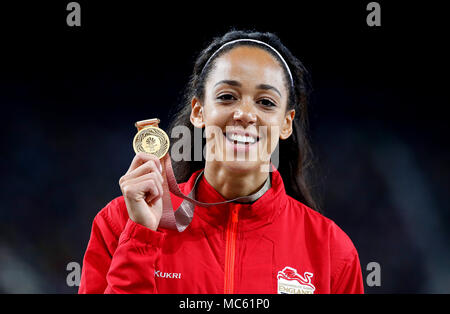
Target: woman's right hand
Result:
[142, 188]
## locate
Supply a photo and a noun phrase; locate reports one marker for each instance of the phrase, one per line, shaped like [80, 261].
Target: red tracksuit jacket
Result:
[275, 245]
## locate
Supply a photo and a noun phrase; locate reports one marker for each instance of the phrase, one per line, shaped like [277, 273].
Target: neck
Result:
[234, 183]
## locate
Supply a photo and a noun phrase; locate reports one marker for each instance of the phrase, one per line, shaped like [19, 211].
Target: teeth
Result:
[242, 138]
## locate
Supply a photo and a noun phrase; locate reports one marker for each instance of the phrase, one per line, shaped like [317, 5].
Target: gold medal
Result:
[150, 138]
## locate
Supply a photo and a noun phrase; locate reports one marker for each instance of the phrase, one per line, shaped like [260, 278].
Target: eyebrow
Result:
[229, 82]
[260, 86]
[268, 87]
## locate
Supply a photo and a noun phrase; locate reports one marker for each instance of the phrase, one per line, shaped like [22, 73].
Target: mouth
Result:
[241, 138]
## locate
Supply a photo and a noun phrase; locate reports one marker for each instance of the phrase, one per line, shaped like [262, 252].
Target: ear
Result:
[197, 113]
[286, 127]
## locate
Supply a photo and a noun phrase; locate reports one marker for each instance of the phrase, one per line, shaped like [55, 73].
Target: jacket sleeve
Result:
[132, 267]
[98, 255]
[120, 255]
[346, 277]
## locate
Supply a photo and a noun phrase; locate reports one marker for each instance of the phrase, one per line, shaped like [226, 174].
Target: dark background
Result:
[69, 98]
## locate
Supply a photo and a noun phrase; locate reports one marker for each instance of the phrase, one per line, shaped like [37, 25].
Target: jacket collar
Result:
[251, 216]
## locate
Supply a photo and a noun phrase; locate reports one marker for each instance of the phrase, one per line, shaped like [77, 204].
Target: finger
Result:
[150, 199]
[142, 158]
[148, 167]
[148, 190]
[149, 176]
[153, 194]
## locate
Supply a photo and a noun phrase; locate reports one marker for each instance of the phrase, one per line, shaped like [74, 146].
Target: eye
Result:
[266, 103]
[226, 97]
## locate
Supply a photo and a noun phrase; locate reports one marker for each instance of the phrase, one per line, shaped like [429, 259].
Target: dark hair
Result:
[295, 155]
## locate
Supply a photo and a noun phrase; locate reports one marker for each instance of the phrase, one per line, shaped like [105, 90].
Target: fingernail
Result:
[160, 168]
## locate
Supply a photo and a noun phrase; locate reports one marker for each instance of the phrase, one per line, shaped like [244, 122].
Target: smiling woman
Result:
[254, 91]
[286, 84]
[242, 96]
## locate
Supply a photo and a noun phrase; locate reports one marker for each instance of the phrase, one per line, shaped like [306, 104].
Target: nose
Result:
[245, 115]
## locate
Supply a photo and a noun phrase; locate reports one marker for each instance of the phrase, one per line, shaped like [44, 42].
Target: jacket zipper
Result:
[230, 250]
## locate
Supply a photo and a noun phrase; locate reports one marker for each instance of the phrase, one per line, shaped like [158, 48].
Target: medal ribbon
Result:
[182, 217]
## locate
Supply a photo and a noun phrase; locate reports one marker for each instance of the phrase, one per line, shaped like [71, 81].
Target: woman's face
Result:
[244, 109]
